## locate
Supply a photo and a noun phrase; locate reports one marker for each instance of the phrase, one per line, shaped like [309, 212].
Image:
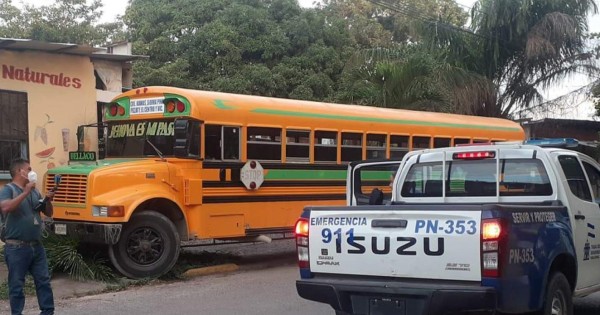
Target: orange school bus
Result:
[185, 165]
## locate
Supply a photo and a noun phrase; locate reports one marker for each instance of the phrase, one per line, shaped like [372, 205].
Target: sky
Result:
[112, 8]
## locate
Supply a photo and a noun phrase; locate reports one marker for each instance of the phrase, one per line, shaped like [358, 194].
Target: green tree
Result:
[530, 46]
[65, 21]
[261, 47]
[512, 51]
[595, 90]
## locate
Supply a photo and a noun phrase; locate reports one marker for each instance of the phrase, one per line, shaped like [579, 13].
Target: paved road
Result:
[264, 285]
[255, 292]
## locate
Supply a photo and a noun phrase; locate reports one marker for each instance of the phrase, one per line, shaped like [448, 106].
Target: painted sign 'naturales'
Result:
[27, 75]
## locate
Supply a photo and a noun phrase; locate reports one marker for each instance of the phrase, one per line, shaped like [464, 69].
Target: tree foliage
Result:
[266, 47]
[65, 21]
[269, 48]
[532, 46]
[393, 53]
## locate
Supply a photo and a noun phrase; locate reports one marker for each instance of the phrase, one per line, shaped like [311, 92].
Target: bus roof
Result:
[267, 111]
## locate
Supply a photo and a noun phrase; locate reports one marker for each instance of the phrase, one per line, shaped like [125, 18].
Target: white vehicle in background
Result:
[505, 228]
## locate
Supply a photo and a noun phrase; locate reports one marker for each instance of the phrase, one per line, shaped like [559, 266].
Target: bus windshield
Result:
[130, 139]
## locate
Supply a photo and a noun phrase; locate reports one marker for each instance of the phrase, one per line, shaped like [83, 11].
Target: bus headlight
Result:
[108, 211]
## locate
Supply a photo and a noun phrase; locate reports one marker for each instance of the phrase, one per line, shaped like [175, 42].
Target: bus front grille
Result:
[72, 188]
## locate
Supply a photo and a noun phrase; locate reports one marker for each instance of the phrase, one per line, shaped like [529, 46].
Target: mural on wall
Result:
[46, 155]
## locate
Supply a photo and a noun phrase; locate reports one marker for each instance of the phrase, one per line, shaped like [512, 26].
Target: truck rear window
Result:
[477, 178]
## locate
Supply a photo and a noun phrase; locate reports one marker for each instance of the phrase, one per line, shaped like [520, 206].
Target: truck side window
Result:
[524, 177]
[575, 177]
[594, 176]
[423, 180]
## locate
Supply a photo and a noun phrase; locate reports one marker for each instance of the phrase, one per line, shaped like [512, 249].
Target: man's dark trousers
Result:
[23, 258]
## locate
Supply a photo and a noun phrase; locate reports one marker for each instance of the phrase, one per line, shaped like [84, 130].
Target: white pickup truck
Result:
[478, 230]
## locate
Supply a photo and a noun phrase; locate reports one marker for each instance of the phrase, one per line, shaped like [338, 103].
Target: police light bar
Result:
[474, 155]
[554, 142]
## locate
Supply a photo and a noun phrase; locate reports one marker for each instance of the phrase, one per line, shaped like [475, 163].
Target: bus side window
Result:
[420, 142]
[264, 143]
[231, 143]
[325, 146]
[376, 145]
[351, 146]
[398, 146]
[297, 145]
[212, 142]
[459, 141]
[441, 142]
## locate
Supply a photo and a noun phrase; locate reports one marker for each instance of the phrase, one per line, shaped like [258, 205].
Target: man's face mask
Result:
[32, 177]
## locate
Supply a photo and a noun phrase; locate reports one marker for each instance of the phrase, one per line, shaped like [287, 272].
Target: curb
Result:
[197, 272]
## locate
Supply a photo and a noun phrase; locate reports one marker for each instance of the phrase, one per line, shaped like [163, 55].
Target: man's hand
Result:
[29, 187]
[50, 194]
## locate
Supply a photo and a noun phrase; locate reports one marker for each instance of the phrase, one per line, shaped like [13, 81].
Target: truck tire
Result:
[148, 246]
[558, 299]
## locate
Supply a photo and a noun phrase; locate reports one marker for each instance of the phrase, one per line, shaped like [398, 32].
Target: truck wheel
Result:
[148, 246]
[558, 299]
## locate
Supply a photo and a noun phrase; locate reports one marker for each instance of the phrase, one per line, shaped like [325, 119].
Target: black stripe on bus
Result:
[279, 183]
[286, 198]
[266, 165]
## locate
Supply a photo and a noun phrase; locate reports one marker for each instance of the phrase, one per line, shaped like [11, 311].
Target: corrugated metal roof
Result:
[63, 48]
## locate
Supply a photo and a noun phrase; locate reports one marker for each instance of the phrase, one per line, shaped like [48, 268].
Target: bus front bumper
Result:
[97, 233]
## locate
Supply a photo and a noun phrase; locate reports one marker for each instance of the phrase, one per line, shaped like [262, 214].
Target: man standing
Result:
[23, 250]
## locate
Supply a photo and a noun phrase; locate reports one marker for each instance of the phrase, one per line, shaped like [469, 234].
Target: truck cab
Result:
[494, 228]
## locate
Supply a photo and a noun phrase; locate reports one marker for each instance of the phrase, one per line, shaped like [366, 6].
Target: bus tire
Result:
[148, 246]
[558, 298]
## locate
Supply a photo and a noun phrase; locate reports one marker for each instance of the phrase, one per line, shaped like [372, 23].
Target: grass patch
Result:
[28, 289]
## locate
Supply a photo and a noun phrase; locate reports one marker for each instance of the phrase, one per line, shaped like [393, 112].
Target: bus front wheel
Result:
[148, 246]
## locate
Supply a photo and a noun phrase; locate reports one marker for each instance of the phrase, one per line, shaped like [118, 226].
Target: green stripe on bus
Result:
[376, 175]
[305, 175]
[378, 120]
[220, 104]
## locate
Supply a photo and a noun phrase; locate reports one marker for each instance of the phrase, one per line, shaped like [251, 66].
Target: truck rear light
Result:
[303, 257]
[301, 232]
[492, 233]
[477, 155]
[490, 264]
[301, 227]
[490, 246]
[491, 230]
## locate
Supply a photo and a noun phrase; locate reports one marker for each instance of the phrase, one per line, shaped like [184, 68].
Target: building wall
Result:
[581, 130]
[60, 96]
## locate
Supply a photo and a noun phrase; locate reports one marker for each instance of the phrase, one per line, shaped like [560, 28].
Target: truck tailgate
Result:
[419, 244]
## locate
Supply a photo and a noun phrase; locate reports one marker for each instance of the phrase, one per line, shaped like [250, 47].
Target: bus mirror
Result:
[181, 145]
[80, 143]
